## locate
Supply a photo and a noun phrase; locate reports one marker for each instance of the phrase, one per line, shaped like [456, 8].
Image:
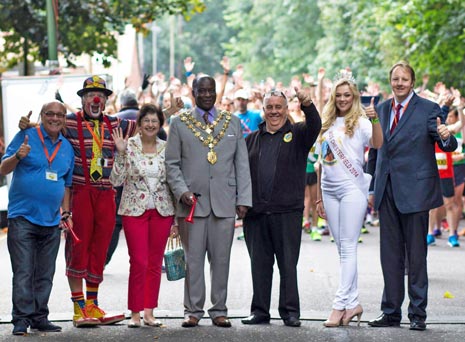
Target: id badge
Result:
[103, 162]
[51, 175]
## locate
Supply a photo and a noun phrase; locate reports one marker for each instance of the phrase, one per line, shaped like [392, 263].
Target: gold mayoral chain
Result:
[204, 132]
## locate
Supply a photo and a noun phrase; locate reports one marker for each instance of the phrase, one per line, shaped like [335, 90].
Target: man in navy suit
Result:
[407, 186]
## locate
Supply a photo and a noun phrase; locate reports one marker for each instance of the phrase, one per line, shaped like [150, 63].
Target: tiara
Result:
[344, 75]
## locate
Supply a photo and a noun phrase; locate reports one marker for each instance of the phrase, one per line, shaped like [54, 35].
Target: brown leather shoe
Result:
[190, 322]
[221, 321]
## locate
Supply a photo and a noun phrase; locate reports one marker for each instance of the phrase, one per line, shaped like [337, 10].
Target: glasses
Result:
[151, 121]
[52, 114]
[277, 93]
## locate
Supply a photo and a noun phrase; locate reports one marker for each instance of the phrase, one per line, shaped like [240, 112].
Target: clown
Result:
[93, 199]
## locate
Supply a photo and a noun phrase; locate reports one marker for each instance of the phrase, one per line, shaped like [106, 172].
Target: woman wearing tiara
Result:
[343, 186]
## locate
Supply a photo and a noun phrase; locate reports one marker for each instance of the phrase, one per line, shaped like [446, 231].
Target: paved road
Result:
[318, 279]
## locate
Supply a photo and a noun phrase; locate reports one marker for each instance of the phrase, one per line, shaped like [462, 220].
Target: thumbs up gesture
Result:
[24, 121]
[443, 132]
[24, 149]
[371, 111]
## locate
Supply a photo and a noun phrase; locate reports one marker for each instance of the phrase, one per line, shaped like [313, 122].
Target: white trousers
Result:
[345, 212]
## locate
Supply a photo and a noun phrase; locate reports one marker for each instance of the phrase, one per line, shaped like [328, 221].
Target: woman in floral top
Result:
[147, 210]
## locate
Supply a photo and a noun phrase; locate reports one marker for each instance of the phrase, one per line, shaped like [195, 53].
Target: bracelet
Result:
[66, 212]
[188, 73]
[226, 73]
[318, 201]
[374, 120]
[17, 156]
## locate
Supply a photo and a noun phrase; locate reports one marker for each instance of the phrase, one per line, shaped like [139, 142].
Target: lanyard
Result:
[57, 147]
[404, 109]
[82, 148]
[98, 140]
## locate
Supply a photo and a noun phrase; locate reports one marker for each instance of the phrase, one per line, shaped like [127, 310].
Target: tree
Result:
[202, 37]
[370, 36]
[83, 26]
[431, 34]
[275, 37]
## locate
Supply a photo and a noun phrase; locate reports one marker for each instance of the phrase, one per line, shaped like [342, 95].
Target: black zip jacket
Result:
[288, 187]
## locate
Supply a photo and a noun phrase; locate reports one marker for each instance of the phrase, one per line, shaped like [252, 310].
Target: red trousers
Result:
[146, 237]
[94, 221]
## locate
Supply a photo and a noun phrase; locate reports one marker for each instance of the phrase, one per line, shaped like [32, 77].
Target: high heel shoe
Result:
[351, 313]
[335, 318]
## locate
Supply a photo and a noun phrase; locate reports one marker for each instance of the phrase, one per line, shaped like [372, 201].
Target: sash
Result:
[361, 180]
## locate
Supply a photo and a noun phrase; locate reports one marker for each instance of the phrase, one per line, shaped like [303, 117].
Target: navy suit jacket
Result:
[408, 156]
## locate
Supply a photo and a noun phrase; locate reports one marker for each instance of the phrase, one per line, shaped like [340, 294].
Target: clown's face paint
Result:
[94, 103]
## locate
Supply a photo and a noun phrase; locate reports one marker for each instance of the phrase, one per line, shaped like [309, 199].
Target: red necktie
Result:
[396, 117]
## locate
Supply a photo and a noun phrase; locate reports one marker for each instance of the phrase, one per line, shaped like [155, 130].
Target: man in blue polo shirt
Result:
[250, 119]
[42, 162]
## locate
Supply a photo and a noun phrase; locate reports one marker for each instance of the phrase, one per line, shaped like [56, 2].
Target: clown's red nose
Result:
[96, 100]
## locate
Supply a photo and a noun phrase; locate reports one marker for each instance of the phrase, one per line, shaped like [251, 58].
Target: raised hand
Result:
[25, 121]
[24, 149]
[176, 102]
[145, 81]
[321, 73]
[370, 110]
[443, 132]
[121, 142]
[188, 64]
[304, 98]
[225, 64]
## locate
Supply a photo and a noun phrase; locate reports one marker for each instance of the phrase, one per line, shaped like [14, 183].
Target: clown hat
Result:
[94, 83]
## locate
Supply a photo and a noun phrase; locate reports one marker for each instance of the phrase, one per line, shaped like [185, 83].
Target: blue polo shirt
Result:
[31, 195]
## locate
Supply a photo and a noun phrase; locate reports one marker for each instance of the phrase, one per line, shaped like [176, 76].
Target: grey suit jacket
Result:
[408, 156]
[223, 185]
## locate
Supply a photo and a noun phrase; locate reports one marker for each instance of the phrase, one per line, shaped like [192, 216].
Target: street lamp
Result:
[52, 36]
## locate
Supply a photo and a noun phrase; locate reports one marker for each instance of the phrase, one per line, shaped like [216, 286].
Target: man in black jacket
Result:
[278, 156]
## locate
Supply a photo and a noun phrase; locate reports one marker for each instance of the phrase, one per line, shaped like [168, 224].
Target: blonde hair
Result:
[330, 110]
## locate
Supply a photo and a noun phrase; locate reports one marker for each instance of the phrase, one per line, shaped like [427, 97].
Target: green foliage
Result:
[431, 34]
[275, 37]
[83, 26]
[202, 38]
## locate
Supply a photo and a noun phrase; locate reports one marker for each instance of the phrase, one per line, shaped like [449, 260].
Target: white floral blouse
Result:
[142, 187]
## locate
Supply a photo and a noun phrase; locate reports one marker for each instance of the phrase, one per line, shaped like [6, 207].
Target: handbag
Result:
[175, 264]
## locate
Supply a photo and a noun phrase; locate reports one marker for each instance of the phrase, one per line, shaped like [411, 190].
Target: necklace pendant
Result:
[212, 157]
[150, 162]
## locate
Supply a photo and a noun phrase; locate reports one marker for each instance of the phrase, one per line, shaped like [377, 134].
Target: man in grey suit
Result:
[206, 154]
[407, 186]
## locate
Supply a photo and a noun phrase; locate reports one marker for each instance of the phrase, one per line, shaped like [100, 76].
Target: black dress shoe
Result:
[46, 326]
[384, 321]
[292, 322]
[417, 324]
[254, 319]
[20, 329]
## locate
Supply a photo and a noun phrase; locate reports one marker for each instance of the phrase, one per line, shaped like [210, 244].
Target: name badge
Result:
[51, 175]
[103, 162]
